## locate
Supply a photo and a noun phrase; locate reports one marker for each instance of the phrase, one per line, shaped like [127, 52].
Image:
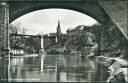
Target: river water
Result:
[51, 68]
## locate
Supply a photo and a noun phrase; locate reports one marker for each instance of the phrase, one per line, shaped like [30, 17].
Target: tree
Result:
[16, 28]
[33, 44]
[15, 41]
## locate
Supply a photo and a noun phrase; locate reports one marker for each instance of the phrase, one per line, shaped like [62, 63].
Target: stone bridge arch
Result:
[11, 10]
[92, 9]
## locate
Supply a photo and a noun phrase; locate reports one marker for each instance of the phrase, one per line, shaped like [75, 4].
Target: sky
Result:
[46, 20]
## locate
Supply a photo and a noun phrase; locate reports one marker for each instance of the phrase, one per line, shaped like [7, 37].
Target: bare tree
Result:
[17, 27]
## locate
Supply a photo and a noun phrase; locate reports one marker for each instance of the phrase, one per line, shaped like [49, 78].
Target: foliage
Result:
[109, 38]
[28, 44]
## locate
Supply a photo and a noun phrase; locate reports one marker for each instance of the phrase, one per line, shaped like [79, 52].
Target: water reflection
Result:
[51, 68]
[3, 70]
[42, 63]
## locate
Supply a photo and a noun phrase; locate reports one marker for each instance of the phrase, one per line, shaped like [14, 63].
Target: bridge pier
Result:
[42, 43]
[4, 30]
[41, 51]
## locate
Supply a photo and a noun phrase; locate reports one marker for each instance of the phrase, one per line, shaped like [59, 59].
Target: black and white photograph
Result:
[64, 41]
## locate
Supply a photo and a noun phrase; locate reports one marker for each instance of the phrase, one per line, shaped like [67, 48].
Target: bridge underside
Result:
[110, 12]
[118, 12]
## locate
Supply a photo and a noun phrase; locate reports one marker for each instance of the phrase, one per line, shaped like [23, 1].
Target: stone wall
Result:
[4, 22]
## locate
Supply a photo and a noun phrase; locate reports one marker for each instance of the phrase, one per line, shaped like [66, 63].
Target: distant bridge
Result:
[40, 36]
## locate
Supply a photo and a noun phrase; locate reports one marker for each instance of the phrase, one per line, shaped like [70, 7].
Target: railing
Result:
[31, 35]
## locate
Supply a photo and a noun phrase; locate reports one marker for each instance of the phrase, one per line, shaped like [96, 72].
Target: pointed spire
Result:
[58, 32]
[58, 27]
[58, 23]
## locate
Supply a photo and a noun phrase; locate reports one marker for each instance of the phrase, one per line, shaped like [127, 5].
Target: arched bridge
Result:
[42, 38]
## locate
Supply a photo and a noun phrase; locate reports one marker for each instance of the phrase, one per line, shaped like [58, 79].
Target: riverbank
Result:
[17, 56]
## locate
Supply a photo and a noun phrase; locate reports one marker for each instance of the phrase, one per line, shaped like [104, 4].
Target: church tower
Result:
[58, 32]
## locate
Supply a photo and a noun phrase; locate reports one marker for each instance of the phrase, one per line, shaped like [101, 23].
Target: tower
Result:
[58, 32]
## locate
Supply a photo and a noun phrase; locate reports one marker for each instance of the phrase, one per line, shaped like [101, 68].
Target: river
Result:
[51, 68]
